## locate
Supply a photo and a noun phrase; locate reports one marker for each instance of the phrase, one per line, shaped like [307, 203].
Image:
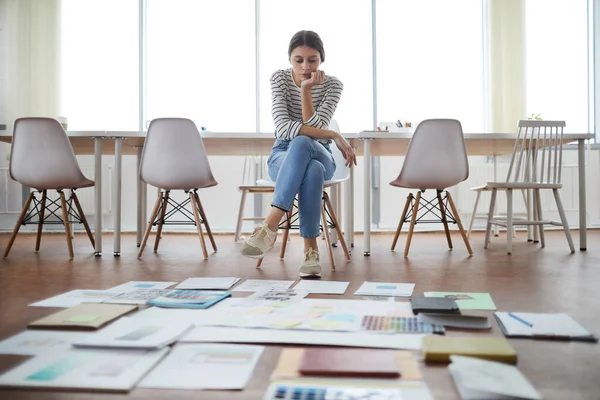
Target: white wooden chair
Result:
[535, 165]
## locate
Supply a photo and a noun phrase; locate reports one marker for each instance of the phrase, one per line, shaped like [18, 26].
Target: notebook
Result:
[83, 316]
[478, 379]
[456, 321]
[434, 305]
[542, 326]
[189, 298]
[439, 348]
[375, 363]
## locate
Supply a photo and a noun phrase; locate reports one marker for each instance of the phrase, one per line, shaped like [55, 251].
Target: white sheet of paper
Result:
[204, 334]
[322, 287]
[385, 289]
[136, 285]
[136, 333]
[255, 285]
[266, 296]
[543, 324]
[478, 379]
[196, 316]
[208, 283]
[140, 296]
[76, 297]
[347, 389]
[35, 342]
[205, 366]
[84, 369]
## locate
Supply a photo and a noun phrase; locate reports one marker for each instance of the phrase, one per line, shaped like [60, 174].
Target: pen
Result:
[529, 324]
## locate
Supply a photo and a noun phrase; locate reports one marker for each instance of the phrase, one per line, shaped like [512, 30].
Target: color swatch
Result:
[398, 325]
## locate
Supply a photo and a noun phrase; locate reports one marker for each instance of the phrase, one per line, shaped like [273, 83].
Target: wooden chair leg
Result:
[83, 219]
[153, 216]
[286, 232]
[341, 237]
[198, 223]
[63, 203]
[444, 219]
[473, 214]
[402, 218]
[240, 218]
[412, 224]
[459, 223]
[538, 216]
[509, 220]
[161, 222]
[488, 228]
[18, 224]
[563, 219]
[41, 221]
[327, 237]
[206, 225]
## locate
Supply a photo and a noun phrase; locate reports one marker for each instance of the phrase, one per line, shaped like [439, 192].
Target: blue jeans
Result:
[300, 166]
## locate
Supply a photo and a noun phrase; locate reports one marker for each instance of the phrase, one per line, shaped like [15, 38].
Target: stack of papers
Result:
[76, 297]
[478, 379]
[83, 316]
[467, 301]
[542, 326]
[208, 283]
[456, 321]
[136, 333]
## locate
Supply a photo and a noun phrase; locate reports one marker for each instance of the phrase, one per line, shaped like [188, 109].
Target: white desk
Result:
[477, 144]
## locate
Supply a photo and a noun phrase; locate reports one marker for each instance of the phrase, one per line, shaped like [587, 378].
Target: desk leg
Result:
[117, 196]
[367, 197]
[582, 205]
[140, 219]
[98, 193]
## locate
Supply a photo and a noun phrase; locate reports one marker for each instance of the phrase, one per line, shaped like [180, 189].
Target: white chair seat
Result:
[518, 186]
[62, 183]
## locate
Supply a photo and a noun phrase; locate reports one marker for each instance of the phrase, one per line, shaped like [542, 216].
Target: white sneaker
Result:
[311, 266]
[261, 241]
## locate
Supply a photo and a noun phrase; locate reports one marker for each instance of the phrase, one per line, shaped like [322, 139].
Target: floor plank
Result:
[531, 279]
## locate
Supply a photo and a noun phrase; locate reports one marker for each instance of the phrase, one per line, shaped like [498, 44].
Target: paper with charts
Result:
[322, 287]
[139, 296]
[76, 297]
[208, 283]
[329, 389]
[256, 285]
[478, 379]
[205, 366]
[385, 289]
[467, 301]
[34, 342]
[115, 370]
[136, 333]
[137, 285]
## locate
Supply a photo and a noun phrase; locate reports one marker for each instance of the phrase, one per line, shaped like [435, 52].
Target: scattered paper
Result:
[136, 285]
[322, 287]
[208, 283]
[210, 366]
[255, 285]
[140, 296]
[76, 297]
[385, 289]
[31, 343]
[273, 298]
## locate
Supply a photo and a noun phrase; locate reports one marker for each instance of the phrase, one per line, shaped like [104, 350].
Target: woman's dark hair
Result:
[307, 38]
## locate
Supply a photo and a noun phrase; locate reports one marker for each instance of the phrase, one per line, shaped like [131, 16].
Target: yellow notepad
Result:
[439, 348]
[83, 316]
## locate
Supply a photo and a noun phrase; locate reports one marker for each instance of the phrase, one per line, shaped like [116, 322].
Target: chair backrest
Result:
[436, 157]
[41, 155]
[342, 172]
[537, 154]
[174, 156]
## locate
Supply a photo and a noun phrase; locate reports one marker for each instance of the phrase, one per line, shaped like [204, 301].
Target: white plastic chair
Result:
[174, 158]
[436, 159]
[536, 164]
[328, 217]
[42, 158]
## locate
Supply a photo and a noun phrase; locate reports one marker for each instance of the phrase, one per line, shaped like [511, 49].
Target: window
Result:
[100, 64]
[201, 63]
[345, 28]
[557, 63]
[430, 61]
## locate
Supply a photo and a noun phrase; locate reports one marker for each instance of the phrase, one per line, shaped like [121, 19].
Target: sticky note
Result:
[279, 304]
[285, 323]
[341, 317]
[386, 287]
[84, 318]
[144, 285]
[325, 324]
[260, 310]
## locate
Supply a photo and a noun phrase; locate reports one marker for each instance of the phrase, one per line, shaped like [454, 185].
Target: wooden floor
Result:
[532, 279]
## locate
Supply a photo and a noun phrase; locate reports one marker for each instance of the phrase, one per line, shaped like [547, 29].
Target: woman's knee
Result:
[301, 141]
[315, 171]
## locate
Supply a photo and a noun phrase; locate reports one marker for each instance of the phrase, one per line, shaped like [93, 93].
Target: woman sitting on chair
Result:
[304, 100]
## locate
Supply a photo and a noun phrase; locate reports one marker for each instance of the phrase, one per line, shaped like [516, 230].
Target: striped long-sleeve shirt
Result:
[287, 104]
